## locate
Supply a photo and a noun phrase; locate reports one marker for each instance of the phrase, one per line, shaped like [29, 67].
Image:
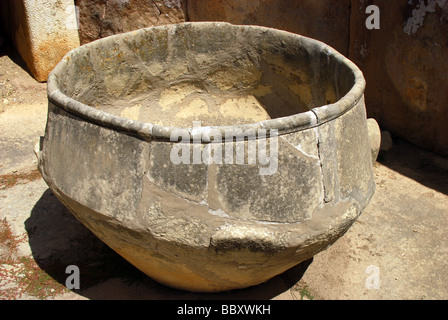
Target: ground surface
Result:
[397, 249]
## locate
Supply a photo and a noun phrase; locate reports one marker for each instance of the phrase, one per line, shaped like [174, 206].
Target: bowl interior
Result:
[218, 74]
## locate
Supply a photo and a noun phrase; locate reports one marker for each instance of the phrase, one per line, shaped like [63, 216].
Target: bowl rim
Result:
[281, 125]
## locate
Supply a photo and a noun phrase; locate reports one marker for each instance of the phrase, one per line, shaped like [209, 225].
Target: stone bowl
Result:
[210, 156]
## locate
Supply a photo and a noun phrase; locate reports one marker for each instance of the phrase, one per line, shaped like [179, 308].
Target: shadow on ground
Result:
[423, 166]
[7, 49]
[58, 240]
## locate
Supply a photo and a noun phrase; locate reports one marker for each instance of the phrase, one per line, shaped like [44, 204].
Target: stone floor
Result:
[397, 249]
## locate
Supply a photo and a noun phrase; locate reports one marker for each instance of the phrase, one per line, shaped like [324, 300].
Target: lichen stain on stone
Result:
[132, 112]
[175, 95]
[42, 61]
[262, 90]
[245, 107]
[196, 108]
[416, 93]
[417, 19]
[303, 91]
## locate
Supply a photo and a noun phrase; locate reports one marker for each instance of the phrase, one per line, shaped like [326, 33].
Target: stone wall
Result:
[325, 20]
[102, 18]
[405, 64]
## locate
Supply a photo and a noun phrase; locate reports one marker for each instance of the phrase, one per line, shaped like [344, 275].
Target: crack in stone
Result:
[319, 156]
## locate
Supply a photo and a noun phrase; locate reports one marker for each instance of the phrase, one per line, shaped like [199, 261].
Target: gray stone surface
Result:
[115, 102]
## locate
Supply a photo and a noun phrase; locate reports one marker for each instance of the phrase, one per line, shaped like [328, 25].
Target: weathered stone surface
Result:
[102, 18]
[108, 174]
[246, 154]
[42, 31]
[244, 193]
[375, 137]
[406, 68]
[327, 20]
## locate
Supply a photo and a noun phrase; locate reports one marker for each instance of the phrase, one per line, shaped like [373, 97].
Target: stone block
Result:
[42, 31]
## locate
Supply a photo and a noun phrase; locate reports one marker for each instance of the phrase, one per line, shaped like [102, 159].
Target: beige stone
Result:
[42, 31]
